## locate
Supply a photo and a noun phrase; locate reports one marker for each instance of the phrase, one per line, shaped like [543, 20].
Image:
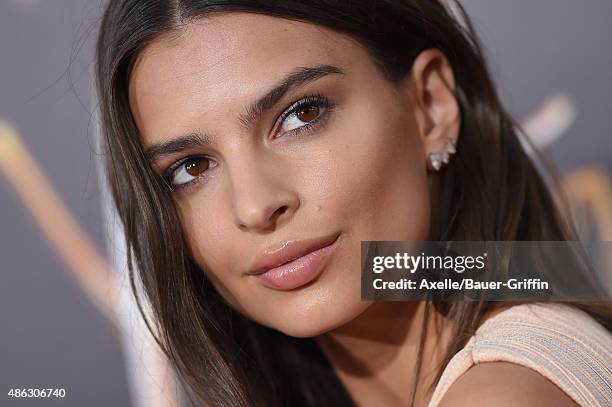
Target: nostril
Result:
[280, 211]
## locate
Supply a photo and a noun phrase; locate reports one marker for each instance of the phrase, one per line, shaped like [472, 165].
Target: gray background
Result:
[50, 335]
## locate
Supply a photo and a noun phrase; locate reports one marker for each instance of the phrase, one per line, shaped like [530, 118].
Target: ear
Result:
[437, 113]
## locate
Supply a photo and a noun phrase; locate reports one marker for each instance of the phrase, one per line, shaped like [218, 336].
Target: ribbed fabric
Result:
[560, 342]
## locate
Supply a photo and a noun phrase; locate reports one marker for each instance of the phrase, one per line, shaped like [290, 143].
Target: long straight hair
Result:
[491, 190]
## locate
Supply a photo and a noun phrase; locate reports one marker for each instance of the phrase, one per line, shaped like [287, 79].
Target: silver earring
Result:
[437, 160]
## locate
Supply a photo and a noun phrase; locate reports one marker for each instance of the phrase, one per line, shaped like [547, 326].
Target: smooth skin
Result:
[352, 162]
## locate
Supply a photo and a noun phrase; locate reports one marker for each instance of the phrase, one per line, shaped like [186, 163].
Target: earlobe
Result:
[437, 109]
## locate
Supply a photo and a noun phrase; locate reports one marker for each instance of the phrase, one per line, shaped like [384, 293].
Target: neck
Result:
[376, 354]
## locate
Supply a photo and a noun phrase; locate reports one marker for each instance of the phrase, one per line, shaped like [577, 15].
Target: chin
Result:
[320, 319]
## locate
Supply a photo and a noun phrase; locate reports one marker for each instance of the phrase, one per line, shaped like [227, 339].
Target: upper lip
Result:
[287, 251]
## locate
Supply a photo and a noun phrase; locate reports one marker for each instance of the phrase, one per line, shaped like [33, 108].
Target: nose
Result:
[262, 196]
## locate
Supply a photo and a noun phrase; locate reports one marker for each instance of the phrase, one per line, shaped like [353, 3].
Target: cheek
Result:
[380, 184]
[208, 238]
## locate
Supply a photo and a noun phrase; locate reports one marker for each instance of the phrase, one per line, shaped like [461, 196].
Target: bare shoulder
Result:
[504, 384]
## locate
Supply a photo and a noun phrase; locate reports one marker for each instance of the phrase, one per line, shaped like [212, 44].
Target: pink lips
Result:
[295, 263]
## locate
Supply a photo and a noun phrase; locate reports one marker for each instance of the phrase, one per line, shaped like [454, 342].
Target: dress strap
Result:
[562, 343]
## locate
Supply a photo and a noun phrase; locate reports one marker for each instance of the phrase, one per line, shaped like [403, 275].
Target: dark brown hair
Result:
[490, 191]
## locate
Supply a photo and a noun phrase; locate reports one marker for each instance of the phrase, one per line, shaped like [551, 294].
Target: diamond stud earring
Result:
[437, 160]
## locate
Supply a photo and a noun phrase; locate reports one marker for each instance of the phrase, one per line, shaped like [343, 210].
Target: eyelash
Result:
[315, 100]
[169, 173]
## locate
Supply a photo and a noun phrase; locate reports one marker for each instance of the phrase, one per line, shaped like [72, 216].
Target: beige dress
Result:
[562, 343]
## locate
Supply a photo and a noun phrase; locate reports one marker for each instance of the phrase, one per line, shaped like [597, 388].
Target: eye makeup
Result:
[305, 115]
[318, 104]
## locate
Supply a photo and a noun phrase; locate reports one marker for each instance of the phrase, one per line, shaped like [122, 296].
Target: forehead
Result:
[220, 62]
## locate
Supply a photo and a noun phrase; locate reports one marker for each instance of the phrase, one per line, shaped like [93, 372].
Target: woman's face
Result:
[294, 141]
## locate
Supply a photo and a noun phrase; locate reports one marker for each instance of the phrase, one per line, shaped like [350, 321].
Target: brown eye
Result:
[189, 170]
[196, 166]
[308, 113]
[303, 115]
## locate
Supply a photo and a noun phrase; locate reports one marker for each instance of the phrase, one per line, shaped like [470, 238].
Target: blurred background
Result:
[553, 68]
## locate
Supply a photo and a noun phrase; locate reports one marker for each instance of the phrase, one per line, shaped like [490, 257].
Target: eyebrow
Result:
[185, 142]
[296, 78]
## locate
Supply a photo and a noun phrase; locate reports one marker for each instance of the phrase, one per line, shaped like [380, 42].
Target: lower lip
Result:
[298, 272]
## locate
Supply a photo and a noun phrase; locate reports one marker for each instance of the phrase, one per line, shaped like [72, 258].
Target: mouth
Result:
[294, 263]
